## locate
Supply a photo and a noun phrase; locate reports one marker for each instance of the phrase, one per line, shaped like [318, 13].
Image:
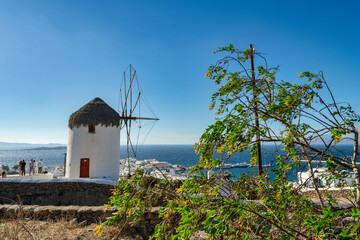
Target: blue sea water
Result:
[173, 154]
[53, 157]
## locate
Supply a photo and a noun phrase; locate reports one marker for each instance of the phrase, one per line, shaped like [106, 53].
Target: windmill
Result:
[136, 114]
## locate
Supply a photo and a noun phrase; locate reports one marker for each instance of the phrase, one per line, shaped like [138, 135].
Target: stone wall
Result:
[82, 215]
[55, 193]
[78, 213]
[78, 202]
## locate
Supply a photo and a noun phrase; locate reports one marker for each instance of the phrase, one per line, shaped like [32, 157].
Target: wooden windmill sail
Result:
[135, 114]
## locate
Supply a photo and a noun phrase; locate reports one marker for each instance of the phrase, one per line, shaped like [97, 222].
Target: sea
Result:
[174, 154]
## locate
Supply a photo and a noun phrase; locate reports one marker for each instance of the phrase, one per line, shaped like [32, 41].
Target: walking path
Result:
[49, 177]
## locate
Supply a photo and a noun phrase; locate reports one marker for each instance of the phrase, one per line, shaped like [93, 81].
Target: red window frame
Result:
[91, 128]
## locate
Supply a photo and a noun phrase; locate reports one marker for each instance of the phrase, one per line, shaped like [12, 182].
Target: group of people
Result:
[34, 167]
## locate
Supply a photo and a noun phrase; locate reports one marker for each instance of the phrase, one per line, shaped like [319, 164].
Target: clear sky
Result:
[55, 56]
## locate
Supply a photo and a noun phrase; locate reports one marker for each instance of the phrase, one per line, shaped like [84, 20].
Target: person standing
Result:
[35, 170]
[31, 167]
[23, 164]
[40, 166]
[19, 168]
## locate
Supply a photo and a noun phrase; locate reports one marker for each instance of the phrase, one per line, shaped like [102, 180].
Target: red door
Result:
[84, 167]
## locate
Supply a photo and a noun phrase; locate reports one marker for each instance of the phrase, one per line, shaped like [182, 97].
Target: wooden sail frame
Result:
[127, 107]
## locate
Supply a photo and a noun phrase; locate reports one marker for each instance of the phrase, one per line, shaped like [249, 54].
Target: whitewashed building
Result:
[322, 178]
[94, 142]
[159, 166]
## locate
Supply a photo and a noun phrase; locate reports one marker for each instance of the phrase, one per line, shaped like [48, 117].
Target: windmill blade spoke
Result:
[132, 147]
[128, 91]
[122, 124]
[121, 100]
[137, 123]
[137, 100]
[138, 137]
[133, 75]
[128, 129]
[140, 118]
[124, 108]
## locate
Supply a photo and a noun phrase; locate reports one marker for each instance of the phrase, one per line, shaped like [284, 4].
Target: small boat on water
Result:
[238, 165]
[234, 165]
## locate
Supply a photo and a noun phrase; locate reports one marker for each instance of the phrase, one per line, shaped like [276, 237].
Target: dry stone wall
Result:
[77, 202]
[78, 213]
[82, 215]
[55, 193]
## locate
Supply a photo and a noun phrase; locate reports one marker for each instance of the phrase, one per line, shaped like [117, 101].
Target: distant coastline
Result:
[58, 146]
[30, 146]
[47, 148]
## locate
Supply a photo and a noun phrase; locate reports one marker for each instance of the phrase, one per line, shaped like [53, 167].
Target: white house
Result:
[322, 178]
[94, 142]
[160, 167]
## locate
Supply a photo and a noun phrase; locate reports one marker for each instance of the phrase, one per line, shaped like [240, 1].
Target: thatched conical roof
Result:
[94, 113]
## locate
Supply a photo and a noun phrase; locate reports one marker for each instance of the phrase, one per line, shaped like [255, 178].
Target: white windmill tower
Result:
[94, 142]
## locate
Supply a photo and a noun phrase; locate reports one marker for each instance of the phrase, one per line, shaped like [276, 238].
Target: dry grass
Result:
[18, 226]
[34, 229]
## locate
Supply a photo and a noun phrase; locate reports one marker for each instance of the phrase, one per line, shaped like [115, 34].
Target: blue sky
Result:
[55, 56]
